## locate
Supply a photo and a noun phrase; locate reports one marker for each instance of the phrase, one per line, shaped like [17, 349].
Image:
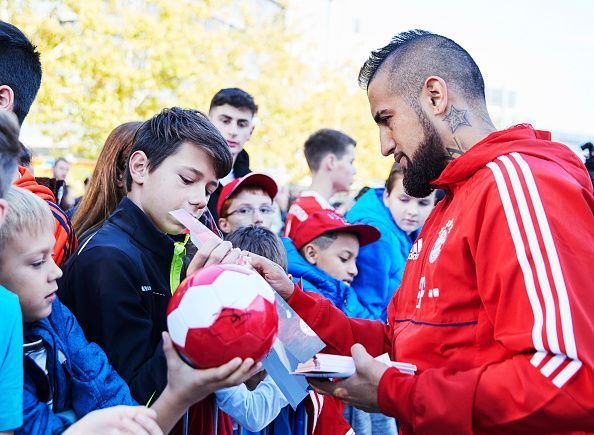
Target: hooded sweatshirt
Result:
[381, 263]
[66, 242]
[496, 310]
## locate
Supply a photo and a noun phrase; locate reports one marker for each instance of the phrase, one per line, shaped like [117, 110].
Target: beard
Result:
[427, 163]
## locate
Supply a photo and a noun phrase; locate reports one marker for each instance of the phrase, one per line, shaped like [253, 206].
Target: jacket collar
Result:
[132, 220]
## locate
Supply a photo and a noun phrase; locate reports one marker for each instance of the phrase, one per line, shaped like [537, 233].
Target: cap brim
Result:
[253, 179]
[365, 233]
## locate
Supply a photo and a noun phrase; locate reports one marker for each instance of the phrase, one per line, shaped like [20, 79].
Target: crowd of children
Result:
[93, 293]
[83, 304]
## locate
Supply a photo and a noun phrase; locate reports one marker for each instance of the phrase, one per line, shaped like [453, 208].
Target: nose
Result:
[232, 129]
[353, 271]
[386, 142]
[198, 199]
[55, 273]
[412, 210]
[257, 217]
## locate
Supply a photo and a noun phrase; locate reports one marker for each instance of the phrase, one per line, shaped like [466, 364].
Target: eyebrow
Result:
[224, 116]
[378, 116]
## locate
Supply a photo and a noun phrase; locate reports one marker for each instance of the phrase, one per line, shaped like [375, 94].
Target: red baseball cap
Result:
[323, 221]
[266, 183]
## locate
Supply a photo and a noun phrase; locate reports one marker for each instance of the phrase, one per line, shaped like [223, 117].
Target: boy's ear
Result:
[224, 225]
[311, 253]
[328, 162]
[138, 165]
[385, 197]
[6, 98]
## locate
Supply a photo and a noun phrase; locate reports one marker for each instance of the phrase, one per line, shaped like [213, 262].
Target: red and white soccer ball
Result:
[222, 312]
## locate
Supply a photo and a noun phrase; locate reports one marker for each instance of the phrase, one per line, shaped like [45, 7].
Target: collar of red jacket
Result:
[522, 139]
[27, 181]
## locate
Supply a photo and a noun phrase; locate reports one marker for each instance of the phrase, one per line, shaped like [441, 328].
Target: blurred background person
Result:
[107, 186]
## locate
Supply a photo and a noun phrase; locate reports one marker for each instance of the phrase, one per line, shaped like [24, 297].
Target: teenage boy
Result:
[247, 201]
[330, 155]
[121, 280]
[232, 112]
[66, 377]
[20, 79]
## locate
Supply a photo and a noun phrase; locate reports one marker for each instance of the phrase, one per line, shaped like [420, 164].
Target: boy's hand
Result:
[189, 385]
[213, 251]
[272, 273]
[128, 420]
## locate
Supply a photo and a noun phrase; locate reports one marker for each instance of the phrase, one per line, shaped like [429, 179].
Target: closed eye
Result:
[185, 180]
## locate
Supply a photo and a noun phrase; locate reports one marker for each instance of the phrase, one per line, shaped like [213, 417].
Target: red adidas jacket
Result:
[496, 308]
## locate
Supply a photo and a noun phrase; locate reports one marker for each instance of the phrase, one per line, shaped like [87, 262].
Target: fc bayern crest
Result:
[441, 239]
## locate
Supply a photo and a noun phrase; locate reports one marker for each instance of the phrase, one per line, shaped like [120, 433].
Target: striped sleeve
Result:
[533, 246]
[536, 286]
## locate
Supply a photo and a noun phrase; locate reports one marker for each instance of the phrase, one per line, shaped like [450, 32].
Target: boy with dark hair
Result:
[232, 112]
[66, 377]
[119, 283]
[247, 201]
[261, 241]
[329, 155]
[20, 79]
[20, 71]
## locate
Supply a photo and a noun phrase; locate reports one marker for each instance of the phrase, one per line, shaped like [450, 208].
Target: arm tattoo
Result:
[456, 118]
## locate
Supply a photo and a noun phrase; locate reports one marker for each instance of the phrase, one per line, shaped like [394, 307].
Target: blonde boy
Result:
[66, 377]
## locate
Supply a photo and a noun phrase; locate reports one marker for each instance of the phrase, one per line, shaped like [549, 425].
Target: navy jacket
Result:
[117, 285]
[380, 263]
[314, 279]
[79, 379]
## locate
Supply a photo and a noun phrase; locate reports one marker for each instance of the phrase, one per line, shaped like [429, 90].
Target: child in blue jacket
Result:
[323, 255]
[399, 218]
[65, 376]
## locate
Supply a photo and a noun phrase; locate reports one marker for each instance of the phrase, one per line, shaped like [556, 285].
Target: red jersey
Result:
[495, 305]
[308, 203]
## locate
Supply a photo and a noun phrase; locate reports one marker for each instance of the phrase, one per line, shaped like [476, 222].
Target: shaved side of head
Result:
[413, 56]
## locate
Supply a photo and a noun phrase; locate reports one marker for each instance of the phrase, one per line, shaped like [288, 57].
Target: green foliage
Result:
[109, 62]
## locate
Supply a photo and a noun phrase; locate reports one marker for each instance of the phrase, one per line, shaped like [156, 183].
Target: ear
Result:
[310, 253]
[138, 165]
[435, 95]
[6, 98]
[3, 210]
[224, 225]
[329, 161]
[385, 198]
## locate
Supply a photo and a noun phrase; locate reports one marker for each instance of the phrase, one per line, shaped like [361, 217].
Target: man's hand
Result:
[189, 385]
[272, 273]
[360, 390]
[124, 420]
[213, 251]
